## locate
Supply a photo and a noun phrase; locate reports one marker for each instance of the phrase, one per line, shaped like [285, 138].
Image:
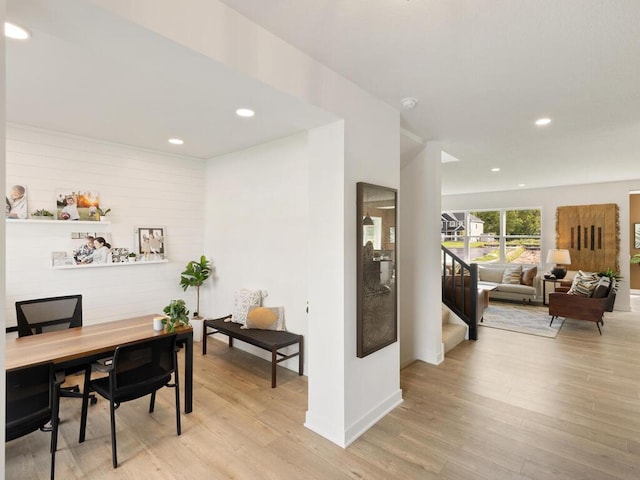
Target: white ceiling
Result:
[482, 71]
[89, 73]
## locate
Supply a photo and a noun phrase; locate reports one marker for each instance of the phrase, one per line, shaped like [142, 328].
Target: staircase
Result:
[454, 330]
[461, 305]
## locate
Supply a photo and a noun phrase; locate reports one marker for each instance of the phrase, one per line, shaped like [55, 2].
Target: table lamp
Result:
[560, 257]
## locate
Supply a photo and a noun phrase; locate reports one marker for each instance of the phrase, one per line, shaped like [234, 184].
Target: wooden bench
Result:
[270, 340]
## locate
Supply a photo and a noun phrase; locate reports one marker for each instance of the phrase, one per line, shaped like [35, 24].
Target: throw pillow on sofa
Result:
[528, 276]
[512, 275]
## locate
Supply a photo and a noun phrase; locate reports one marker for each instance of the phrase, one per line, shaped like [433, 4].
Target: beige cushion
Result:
[512, 288]
[265, 318]
[512, 275]
[492, 275]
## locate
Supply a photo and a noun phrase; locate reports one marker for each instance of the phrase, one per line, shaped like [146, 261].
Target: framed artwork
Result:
[591, 233]
[377, 322]
[82, 244]
[150, 242]
[119, 255]
[77, 205]
[636, 235]
[15, 205]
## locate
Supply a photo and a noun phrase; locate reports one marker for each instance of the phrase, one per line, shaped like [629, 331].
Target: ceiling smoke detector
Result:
[409, 102]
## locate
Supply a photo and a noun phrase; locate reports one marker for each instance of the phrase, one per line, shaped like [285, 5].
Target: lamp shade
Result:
[559, 257]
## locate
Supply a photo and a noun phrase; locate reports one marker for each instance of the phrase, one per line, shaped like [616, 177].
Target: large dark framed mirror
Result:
[377, 322]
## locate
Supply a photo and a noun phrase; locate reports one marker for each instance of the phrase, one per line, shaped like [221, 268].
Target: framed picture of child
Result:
[77, 205]
[150, 242]
[16, 202]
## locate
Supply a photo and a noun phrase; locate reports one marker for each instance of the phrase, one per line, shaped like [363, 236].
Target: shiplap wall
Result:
[142, 188]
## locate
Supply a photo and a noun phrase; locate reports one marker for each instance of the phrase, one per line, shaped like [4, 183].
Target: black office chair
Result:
[135, 370]
[32, 403]
[49, 314]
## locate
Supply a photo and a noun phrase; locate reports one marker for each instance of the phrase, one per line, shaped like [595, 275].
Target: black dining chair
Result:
[32, 403]
[135, 370]
[43, 315]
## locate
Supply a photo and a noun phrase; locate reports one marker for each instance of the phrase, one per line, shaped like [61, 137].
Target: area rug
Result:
[528, 319]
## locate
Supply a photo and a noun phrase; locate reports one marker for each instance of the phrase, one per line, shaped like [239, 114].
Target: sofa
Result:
[511, 281]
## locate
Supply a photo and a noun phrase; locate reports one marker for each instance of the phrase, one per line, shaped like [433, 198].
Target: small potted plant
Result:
[194, 275]
[103, 213]
[131, 257]
[42, 214]
[177, 315]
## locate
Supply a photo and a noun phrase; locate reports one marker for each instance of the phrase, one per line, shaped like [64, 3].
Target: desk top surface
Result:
[66, 345]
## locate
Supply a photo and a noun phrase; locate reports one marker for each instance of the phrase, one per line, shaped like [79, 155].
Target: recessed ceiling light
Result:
[11, 30]
[245, 112]
[521, 185]
[543, 121]
[176, 141]
[409, 102]
[496, 169]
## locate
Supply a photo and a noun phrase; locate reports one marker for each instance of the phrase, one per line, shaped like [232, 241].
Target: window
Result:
[494, 235]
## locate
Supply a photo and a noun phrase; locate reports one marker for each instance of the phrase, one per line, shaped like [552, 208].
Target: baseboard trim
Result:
[372, 417]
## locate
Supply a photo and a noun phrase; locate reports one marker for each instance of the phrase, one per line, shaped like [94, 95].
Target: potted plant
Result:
[103, 213]
[42, 214]
[635, 258]
[131, 257]
[177, 315]
[195, 275]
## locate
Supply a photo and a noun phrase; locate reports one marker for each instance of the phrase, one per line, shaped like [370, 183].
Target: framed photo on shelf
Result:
[15, 205]
[77, 205]
[636, 235]
[150, 242]
[82, 244]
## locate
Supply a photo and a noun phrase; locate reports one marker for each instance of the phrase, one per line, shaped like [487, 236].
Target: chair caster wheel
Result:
[94, 400]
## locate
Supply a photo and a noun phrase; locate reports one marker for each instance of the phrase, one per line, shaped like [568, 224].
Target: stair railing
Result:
[460, 289]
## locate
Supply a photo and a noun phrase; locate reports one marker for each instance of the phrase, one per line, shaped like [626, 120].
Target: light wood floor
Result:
[509, 406]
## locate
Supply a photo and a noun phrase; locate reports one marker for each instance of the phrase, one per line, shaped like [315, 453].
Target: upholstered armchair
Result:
[579, 307]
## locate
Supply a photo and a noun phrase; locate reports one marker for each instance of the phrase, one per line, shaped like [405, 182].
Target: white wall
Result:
[371, 153]
[421, 298]
[548, 199]
[256, 229]
[142, 188]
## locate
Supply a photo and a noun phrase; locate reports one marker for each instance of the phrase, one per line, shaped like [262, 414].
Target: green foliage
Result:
[177, 314]
[195, 275]
[613, 275]
[635, 258]
[518, 222]
[42, 213]
[103, 213]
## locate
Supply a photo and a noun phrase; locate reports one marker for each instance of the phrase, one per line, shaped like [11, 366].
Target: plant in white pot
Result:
[195, 275]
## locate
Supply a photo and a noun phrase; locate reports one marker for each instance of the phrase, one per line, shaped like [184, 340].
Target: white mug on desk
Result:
[157, 323]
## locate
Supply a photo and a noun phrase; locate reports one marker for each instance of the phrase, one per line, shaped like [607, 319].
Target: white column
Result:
[420, 296]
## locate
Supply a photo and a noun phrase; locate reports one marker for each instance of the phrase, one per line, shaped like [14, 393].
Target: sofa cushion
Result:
[512, 275]
[512, 288]
[492, 275]
[528, 275]
[584, 284]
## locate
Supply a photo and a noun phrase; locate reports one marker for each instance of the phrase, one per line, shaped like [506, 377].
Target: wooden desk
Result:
[82, 345]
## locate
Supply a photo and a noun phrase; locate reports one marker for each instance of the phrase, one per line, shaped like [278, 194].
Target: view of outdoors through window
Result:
[493, 236]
